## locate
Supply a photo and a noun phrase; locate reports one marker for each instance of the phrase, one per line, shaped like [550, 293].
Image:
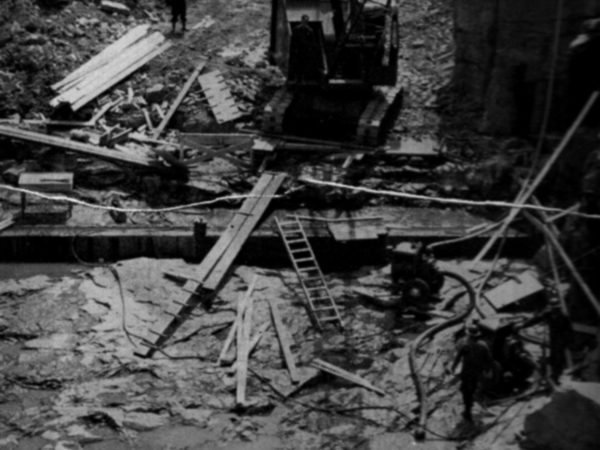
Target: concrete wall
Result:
[503, 59]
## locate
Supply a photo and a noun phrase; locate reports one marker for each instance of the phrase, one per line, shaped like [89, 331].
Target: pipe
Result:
[427, 334]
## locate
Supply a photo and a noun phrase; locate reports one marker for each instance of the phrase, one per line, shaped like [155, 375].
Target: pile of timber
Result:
[109, 67]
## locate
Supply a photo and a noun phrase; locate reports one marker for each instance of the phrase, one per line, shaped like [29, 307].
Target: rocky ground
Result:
[70, 378]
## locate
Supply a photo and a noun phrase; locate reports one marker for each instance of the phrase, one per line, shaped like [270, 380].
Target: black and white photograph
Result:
[299, 225]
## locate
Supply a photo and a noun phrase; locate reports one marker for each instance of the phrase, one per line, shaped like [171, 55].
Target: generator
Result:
[415, 276]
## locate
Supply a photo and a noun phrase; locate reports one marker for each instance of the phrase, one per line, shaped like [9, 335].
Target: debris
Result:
[110, 6]
[338, 372]
[284, 342]
[87, 149]
[111, 71]
[518, 289]
[235, 327]
[184, 90]
[109, 53]
[47, 181]
[6, 221]
[155, 94]
[243, 342]
[219, 97]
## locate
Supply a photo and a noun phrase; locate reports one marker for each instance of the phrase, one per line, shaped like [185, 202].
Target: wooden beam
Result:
[121, 76]
[339, 372]
[182, 93]
[241, 307]
[567, 261]
[103, 57]
[106, 72]
[527, 192]
[230, 357]
[213, 282]
[284, 342]
[80, 147]
[243, 352]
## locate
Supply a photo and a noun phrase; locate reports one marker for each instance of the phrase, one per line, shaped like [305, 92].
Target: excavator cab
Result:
[340, 60]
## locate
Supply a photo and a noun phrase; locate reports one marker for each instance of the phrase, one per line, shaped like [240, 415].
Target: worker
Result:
[305, 51]
[178, 11]
[476, 360]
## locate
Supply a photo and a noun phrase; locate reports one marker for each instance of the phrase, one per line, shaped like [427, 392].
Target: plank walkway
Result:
[214, 268]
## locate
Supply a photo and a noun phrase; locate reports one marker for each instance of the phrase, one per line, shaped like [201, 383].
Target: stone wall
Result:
[503, 59]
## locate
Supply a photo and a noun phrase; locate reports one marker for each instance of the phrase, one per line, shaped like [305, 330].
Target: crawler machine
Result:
[340, 60]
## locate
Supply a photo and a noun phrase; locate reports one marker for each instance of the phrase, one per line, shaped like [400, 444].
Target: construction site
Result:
[299, 224]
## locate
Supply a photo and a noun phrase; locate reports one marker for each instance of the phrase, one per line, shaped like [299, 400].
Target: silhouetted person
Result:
[476, 361]
[305, 52]
[178, 11]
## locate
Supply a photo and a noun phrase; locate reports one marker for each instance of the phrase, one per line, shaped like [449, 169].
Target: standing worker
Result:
[178, 11]
[476, 361]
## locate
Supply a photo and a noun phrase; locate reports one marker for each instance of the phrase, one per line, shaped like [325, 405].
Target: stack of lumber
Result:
[109, 67]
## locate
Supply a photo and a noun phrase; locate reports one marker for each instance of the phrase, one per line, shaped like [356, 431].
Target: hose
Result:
[427, 334]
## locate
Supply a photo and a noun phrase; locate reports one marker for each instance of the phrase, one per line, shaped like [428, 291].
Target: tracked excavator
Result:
[340, 60]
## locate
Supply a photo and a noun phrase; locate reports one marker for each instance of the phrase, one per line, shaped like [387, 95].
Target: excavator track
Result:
[379, 116]
[274, 112]
[371, 127]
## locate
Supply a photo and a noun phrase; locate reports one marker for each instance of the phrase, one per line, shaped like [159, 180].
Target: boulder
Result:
[570, 421]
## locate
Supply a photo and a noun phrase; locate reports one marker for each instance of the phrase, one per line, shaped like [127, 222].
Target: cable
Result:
[64, 198]
[448, 200]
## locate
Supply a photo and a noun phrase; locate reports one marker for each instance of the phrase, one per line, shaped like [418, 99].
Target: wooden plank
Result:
[80, 147]
[47, 181]
[104, 56]
[171, 321]
[349, 231]
[217, 275]
[121, 75]
[243, 352]
[108, 71]
[214, 139]
[241, 307]
[517, 289]
[229, 358]
[219, 97]
[284, 342]
[6, 222]
[184, 90]
[339, 372]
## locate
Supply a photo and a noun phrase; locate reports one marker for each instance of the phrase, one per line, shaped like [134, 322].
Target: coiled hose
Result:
[428, 334]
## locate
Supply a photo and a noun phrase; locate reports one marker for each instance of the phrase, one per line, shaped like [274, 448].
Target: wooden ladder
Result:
[321, 306]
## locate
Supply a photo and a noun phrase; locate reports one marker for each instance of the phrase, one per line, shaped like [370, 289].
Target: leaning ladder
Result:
[320, 303]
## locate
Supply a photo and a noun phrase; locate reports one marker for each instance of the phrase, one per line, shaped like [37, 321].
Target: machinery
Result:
[414, 273]
[340, 60]
[513, 363]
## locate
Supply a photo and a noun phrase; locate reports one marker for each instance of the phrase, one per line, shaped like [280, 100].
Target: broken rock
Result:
[570, 421]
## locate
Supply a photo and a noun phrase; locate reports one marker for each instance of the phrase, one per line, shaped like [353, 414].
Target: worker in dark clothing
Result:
[178, 11]
[305, 52]
[476, 360]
